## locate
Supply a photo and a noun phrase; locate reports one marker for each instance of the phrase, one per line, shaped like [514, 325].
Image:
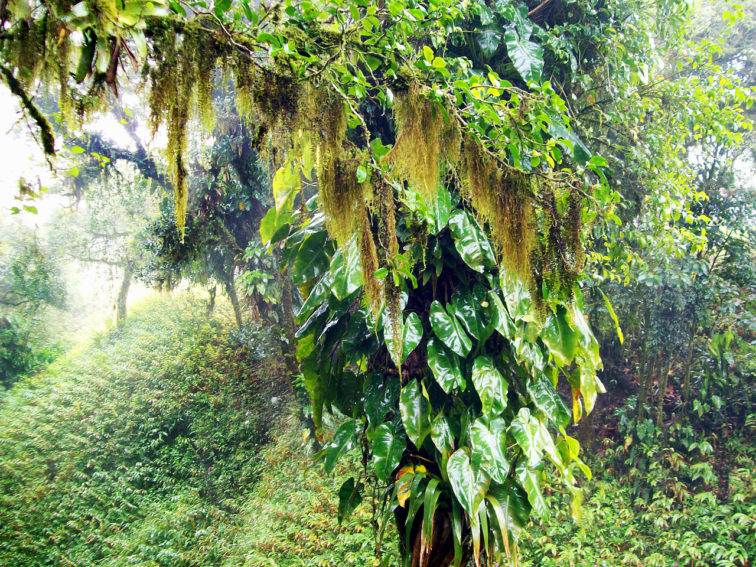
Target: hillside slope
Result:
[136, 449]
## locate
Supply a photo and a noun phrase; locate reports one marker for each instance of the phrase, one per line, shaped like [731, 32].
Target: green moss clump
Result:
[427, 139]
[503, 199]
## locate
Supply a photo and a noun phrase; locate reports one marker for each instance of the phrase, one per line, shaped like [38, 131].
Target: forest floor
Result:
[168, 442]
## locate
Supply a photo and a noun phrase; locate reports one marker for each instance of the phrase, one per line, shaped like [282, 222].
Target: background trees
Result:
[30, 285]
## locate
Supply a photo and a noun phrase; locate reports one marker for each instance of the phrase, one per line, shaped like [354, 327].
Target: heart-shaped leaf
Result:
[415, 408]
[445, 366]
[340, 444]
[488, 452]
[470, 241]
[350, 496]
[462, 479]
[387, 451]
[412, 335]
[490, 385]
[448, 329]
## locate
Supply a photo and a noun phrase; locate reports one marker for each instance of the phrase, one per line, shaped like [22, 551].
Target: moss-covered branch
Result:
[45, 131]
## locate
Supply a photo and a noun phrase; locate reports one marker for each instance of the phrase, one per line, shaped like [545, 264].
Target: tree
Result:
[227, 199]
[441, 255]
[105, 225]
[30, 283]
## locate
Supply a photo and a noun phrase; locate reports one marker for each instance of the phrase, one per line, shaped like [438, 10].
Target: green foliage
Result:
[31, 285]
[619, 529]
[127, 450]
[291, 517]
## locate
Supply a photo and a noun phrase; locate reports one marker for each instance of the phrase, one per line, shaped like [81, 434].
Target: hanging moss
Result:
[503, 199]
[369, 262]
[181, 86]
[427, 138]
[270, 97]
[557, 259]
[388, 248]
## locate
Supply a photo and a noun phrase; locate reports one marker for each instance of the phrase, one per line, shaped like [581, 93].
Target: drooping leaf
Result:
[387, 451]
[345, 270]
[415, 408]
[526, 56]
[490, 385]
[525, 430]
[311, 259]
[488, 452]
[517, 297]
[441, 209]
[430, 500]
[441, 435]
[529, 479]
[462, 479]
[350, 496]
[471, 313]
[559, 337]
[613, 315]
[381, 395]
[412, 335]
[445, 366]
[470, 241]
[499, 316]
[448, 329]
[340, 444]
[489, 40]
[547, 400]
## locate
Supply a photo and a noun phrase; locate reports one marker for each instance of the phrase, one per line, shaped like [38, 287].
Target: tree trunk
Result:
[289, 345]
[440, 552]
[211, 301]
[231, 292]
[662, 391]
[123, 293]
[646, 374]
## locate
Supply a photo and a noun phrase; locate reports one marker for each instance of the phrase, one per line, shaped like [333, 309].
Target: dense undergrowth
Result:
[136, 449]
[168, 442]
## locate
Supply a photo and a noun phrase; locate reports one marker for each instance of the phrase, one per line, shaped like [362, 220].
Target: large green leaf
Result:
[441, 435]
[448, 329]
[515, 502]
[311, 259]
[534, 439]
[499, 316]
[530, 481]
[387, 451]
[415, 408]
[586, 339]
[568, 139]
[490, 385]
[470, 241]
[488, 452]
[340, 444]
[346, 273]
[445, 366]
[546, 399]
[350, 496]
[469, 310]
[559, 337]
[462, 479]
[526, 56]
[412, 334]
[442, 207]
[381, 395]
[526, 432]
[488, 40]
